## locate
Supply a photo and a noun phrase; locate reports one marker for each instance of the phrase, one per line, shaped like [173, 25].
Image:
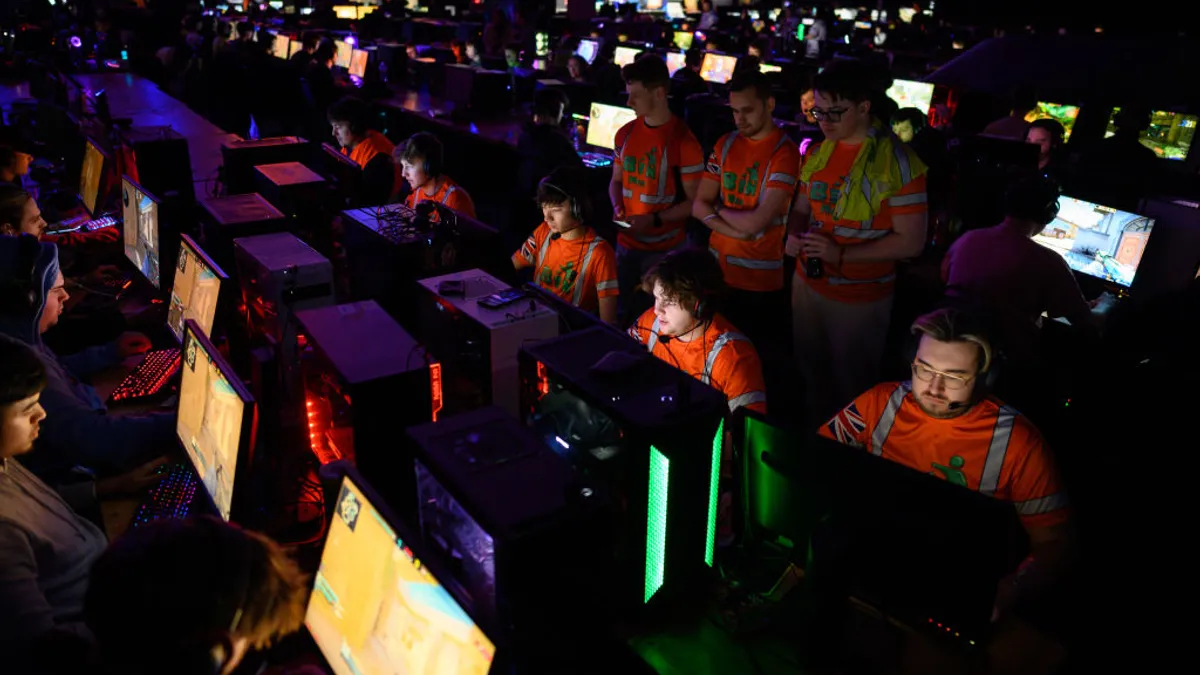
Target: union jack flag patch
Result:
[847, 425]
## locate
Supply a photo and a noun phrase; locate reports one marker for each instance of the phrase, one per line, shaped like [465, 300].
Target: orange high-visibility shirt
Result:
[649, 157]
[369, 148]
[722, 358]
[449, 194]
[745, 169]
[580, 271]
[991, 448]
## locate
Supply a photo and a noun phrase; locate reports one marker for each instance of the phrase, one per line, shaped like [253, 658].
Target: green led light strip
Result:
[714, 480]
[656, 521]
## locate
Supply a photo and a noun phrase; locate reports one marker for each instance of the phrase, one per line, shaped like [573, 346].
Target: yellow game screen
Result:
[717, 67]
[89, 176]
[210, 423]
[194, 293]
[1064, 114]
[376, 610]
[603, 123]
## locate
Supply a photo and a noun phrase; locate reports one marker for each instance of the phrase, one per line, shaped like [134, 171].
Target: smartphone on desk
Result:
[502, 298]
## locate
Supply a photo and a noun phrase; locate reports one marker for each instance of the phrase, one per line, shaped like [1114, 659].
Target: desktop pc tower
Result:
[223, 219]
[291, 187]
[646, 432]
[239, 157]
[158, 159]
[522, 530]
[477, 346]
[365, 380]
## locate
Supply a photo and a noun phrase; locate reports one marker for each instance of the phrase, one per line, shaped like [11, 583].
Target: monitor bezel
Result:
[185, 240]
[158, 228]
[106, 161]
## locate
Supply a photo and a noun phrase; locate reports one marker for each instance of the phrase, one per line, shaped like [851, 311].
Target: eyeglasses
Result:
[952, 382]
[831, 115]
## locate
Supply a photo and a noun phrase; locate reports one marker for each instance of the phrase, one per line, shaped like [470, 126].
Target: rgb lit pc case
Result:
[647, 432]
[477, 346]
[520, 529]
[365, 381]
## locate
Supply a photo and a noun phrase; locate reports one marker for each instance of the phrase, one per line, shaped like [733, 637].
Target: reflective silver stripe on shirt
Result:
[653, 339]
[782, 178]
[884, 426]
[656, 238]
[748, 398]
[908, 200]
[902, 162]
[693, 168]
[725, 148]
[855, 233]
[627, 193]
[1040, 505]
[541, 255]
[843, 281]
[753, 264]
[606, 285]
[580, 279]
[989, 479]
[715, 350]
[449, 191]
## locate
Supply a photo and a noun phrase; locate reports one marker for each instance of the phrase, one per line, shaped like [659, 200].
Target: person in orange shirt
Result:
[420, 162]
[943, 422]
[744, 199]
[657, 164]
[370, 149]
[862, 208]
[685, 329]
[568, 258]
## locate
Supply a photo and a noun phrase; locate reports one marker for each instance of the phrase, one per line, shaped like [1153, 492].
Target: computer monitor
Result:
[141, 231]
[1169, 134]
[683, 39]
[197, 289]
[1098, 241]
[342, 54]
[541, 44]
[381, 605]
[344, 172]
[294, 46]
[675, 61]
[1063, 114]
[603, 123]
[910, 94]
[846, 13]
[364, 10]
[280, 47]
[587, 50]
[862, 25]
[91, 174]
[624, 56]
[718, 67]
[347, 12]
[216, 422]
[358, 62]
[675, 11]
[769, 68]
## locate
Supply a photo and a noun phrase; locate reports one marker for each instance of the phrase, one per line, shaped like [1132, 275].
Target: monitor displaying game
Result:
[604, 122]
[140, 213]
[347, 12]
[196, 290]
[214, 409]
[1169, 134]
[358, 62]
[717, 67]
[765, 68]
[675, 61]
[675, 11]
[1098, 241]
[295, 46]
[376, 609]
[587, 50]
[280, 47]
[1065, 114]
[684, 38]
[624, 56]
[342, 53]
[90, 175]
[910, 94]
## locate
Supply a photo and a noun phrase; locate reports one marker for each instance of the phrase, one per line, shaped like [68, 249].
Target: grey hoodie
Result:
[78, 429]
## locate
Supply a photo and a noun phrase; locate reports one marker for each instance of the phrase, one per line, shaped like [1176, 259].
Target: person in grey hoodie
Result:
[83, 433]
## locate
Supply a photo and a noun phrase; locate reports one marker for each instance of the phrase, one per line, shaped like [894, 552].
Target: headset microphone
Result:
[665, 339]
[554, 236]
[955, 405]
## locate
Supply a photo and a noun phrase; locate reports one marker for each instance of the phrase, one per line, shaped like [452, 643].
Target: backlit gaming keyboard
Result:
[99, 223]
[79, 223]
[171, 498]
[596, 159]
[149, 376]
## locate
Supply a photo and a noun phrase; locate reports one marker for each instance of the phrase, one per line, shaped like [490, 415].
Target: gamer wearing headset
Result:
[945, 422]
[420, 161]
[1002, 270]
[350, 119]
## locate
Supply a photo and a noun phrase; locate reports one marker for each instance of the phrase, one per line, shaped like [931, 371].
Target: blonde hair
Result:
[952, 325]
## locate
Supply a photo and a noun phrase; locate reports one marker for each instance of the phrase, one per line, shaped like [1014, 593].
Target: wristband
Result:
[709, 217]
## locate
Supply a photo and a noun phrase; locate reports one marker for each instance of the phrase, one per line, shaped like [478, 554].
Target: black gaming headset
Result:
[20, 293]
[576, 211]
[430, 148]
[1033, 198]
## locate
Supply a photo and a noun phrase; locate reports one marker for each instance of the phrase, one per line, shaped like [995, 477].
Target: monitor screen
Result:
[675, 10]
[718, 67]
[213, 406]
[1169, 134]
[280, 47]
[376, 609]
[541, 44]
[604, 122]
[90, 175]
[295, 46]
[675, 61]
[358, 62]
[196, 290]
[624, 56]
[587, 50]
[349, 12]
[1065, 114]
[909, 94]
[1096, 240]
[364, 10]
[341, 57]
[862, 25]
[140, 213]
[846, 13]
[769, 68]
[684, 39]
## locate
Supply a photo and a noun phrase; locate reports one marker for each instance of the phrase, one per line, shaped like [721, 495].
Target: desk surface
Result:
[505, 131]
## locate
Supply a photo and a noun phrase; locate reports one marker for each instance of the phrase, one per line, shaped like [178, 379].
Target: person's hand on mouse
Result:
[133, 482]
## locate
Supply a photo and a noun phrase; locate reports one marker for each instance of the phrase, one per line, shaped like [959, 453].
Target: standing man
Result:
[657, 163]
[864, 208]
[744, 200]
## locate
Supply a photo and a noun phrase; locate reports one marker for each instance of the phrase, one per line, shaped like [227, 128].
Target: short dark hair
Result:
[1031, 198]
[22, 373]
[208, 575]
[325, 52]
[352, 111]
[1057, 131]
[549, 102]
[562, 185]
[849, 79]
[1024, 99]
[751, 79]
[8, 156]
[12, 206]
[689, 276]
[422, 147]
[649, 70]
[312, 40]
[694, 58]
[911, 115]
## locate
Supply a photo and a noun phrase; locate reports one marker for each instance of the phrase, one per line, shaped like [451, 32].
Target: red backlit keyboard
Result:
[149, 377]
[171, 498]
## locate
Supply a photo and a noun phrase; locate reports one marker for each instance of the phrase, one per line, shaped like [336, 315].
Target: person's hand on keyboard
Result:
[131, 483]
[131, 343]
